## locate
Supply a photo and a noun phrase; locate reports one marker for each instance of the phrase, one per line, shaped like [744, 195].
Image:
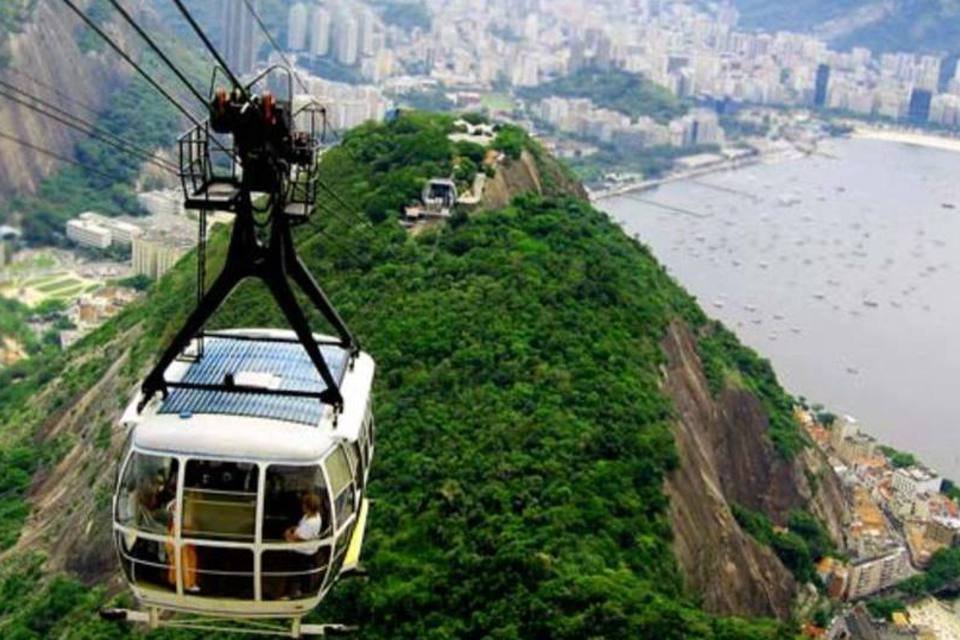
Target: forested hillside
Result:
[524, 432]
[929, 26]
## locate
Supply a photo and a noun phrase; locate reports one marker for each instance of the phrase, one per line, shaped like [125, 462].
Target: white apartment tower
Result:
[346, 38]
[320, 24]
[239, 43]
[368, 23]
[297, 24]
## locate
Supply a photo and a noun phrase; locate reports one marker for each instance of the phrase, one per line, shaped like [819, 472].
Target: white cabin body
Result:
[245, 504]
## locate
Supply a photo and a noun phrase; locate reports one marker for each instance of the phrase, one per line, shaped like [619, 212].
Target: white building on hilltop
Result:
[88, 234]
[162, 202]
[121, 233]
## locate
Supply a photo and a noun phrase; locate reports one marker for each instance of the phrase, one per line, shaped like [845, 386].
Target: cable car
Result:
[213, 486]
[241, 490]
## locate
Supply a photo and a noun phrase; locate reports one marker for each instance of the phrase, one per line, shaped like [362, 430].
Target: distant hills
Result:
[927, 26]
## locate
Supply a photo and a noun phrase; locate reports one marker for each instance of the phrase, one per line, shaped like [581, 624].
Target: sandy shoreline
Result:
[908, 137]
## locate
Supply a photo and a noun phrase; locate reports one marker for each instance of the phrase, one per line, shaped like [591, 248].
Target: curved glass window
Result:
[341, 484]
[220, 500]
[148, 493]
[147, 562]
[296, 504]
[292, 574]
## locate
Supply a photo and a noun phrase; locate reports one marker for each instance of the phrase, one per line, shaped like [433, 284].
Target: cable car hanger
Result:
[277, 160]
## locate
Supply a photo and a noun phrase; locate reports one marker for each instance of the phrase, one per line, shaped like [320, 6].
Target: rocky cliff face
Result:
[528, 174]
[725, 458]
[47, 51]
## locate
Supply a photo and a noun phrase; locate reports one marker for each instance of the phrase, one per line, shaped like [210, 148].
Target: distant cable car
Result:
[241, 491]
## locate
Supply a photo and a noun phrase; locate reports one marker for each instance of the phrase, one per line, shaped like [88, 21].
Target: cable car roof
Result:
[278, 366]
[250, 425]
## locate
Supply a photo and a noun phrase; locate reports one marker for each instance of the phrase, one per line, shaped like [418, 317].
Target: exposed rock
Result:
[47, 51]
[528, 174]
[726, 458]
[721, 563]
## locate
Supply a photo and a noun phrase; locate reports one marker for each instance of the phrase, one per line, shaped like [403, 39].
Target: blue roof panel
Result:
[288, 361]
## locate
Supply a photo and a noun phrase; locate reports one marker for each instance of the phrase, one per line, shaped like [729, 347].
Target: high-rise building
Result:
[346, 38]
[919, 111]
[240, 42]
[823, 84]
[297, 27]
[368, 24]
[320, 32]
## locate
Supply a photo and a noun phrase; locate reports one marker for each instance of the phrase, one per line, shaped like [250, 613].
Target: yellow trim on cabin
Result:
[352, 558]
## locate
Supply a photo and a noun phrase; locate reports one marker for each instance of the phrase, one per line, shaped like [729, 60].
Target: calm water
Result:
[844, 271]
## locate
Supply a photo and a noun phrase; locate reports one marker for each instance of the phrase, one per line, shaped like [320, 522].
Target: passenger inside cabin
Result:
[309, 528]
[188, 552]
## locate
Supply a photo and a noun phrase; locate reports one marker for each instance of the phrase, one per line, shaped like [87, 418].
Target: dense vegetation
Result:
[13, 13]
[885, 607]
[13, 324]
[629, 93]
[524, 436]
[405, 14]
[728, 363]
[931, 27]
[943, 571]
[650, 162]
[899, 459]
[799, 547]
[799, 15]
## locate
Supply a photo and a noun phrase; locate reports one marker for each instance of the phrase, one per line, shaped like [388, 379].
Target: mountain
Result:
[925, 26]
[567, 445]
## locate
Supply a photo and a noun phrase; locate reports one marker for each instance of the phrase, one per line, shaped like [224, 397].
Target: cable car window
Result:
[344, 504]
[220, 500]
[221, 573]
[340, 552]
[339, 470]
[147, 493]
[295, 497]
[292, 574]
[342, 485]
[353, 453]
[146, 562]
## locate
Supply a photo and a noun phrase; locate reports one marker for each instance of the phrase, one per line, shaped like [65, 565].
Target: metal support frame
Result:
[291, 627]
[210, 187]
[274, 263]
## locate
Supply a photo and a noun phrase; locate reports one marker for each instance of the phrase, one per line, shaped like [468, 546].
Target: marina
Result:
[840, 266]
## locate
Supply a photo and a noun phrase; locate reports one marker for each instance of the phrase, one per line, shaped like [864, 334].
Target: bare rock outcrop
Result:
[528, 174]
[46, 51]
[726, 458]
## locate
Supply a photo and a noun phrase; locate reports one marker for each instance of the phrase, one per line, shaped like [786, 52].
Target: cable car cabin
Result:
[245, 504]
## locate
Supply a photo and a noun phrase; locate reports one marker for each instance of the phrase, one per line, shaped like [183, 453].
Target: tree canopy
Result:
[523, 432]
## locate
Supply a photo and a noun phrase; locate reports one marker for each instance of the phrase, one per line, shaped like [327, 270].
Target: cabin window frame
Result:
[326, 543]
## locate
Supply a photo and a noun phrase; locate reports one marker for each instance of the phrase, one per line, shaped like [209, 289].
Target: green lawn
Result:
[497, 102]
[58, 284]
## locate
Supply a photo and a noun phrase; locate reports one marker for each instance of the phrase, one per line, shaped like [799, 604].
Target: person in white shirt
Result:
[309, 528]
